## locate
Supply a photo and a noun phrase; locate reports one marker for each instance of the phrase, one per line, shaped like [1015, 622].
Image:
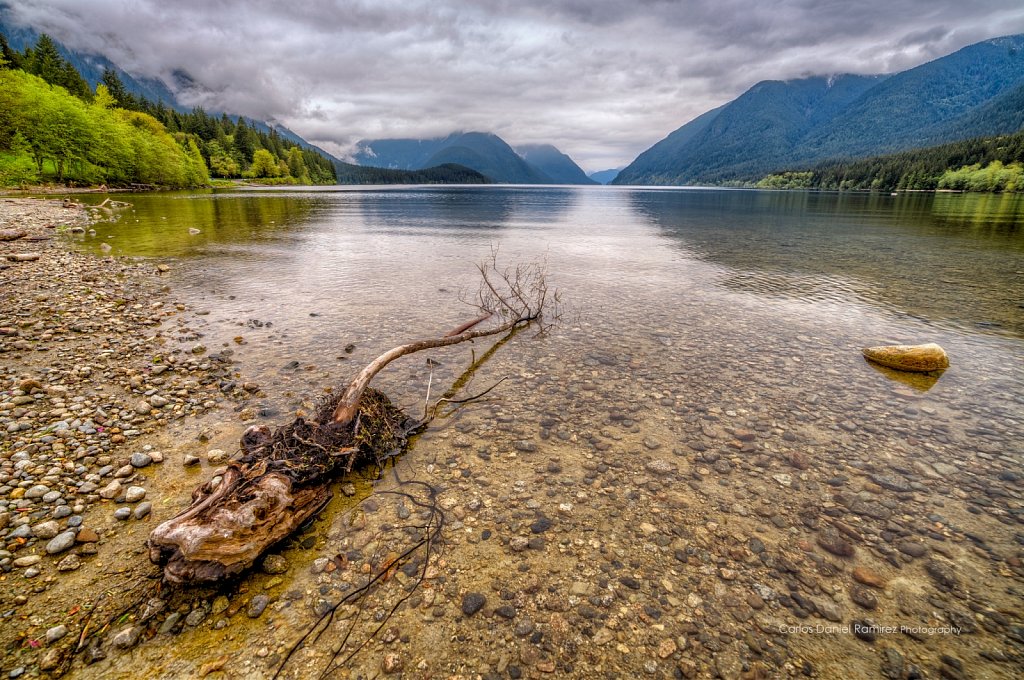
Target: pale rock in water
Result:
[915, 358]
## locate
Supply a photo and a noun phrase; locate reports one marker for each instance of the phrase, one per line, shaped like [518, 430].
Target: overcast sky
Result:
[600, 79]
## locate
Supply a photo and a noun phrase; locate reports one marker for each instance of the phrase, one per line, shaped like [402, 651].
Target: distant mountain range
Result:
[605, 176]
[978, 90]
[483, 152]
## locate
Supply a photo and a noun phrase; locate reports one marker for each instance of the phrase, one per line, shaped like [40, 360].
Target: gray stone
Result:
[56, 633]
[111, 491]
[195, 617]
[169, 623]
[122, 513]
[472, 603]
[46, 530]
[256, 606]
[134, 494]
[37, 491]
[141, 460]
[127, 638]
[828, 609]
[143, 509]
[61, 542]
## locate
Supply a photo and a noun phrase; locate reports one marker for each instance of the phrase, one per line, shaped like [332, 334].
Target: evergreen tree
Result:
[117, 90]
[245, 141]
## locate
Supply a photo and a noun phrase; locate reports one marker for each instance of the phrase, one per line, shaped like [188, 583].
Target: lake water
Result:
[703, 388]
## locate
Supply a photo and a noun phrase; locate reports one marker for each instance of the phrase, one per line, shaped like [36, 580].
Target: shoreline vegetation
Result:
[53, 128]
[984, 164]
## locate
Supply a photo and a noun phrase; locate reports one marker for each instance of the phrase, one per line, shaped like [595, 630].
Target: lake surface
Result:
[719, 330]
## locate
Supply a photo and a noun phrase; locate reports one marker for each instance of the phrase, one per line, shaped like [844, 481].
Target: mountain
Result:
[779, 124]
[489, 155]
[484, 152]
[90, 66]
[554, 164]
[605, 176]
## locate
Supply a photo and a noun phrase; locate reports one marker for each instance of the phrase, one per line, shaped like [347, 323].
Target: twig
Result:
[445, 400]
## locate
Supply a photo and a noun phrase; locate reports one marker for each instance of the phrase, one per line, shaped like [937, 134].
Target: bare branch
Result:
[516, 294]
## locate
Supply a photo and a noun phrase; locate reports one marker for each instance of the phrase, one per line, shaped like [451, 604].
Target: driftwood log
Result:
[281, 478]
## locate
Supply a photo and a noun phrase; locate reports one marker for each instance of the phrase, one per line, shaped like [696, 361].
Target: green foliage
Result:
[16, 165]
[994, 177]
[222, 164]
[981, 164]
[71, 140]
[45, 61]
[116, 137]
[263, 165]
[787, 180]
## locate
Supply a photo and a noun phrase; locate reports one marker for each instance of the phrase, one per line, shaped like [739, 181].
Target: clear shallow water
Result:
[953, 260]
[691, 312]
[374, 267]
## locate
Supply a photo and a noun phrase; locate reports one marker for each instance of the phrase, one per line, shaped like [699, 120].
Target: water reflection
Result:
[462, 209]
[920, 255]
[159, 224]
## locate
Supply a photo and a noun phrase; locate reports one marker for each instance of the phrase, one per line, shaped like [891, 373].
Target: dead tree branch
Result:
[283, 477]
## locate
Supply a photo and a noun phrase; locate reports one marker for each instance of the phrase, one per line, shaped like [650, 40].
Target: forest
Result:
[990, 164]
[54, 128]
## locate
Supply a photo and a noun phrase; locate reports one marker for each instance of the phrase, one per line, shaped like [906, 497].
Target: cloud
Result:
[600, 79]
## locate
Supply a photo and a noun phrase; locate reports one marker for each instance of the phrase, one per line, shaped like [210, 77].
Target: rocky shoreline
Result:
[94, 362]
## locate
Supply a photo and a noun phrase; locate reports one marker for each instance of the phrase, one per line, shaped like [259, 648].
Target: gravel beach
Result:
[95, 361]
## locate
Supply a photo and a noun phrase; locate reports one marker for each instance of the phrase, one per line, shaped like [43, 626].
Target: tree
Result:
[245, 141]
[263, 165]
[297, 166]
[115, 86]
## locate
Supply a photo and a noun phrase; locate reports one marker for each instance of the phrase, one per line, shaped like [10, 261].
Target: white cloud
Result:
[601, 80]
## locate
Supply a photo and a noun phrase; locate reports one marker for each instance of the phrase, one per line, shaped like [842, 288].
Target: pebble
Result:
[134, 494]
[472, 603]
[127, 638]
[142, 510]
[110, 491]
[275, 564]
[196, 617]
[46, 530]
[863, 597]
[868, 577]
[141, 459]
[256, 606]
[60, 543]
[912, 548]
[831, 541]
[56, 633]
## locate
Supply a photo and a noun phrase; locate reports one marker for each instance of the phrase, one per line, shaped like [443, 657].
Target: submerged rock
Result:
[914, 358]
